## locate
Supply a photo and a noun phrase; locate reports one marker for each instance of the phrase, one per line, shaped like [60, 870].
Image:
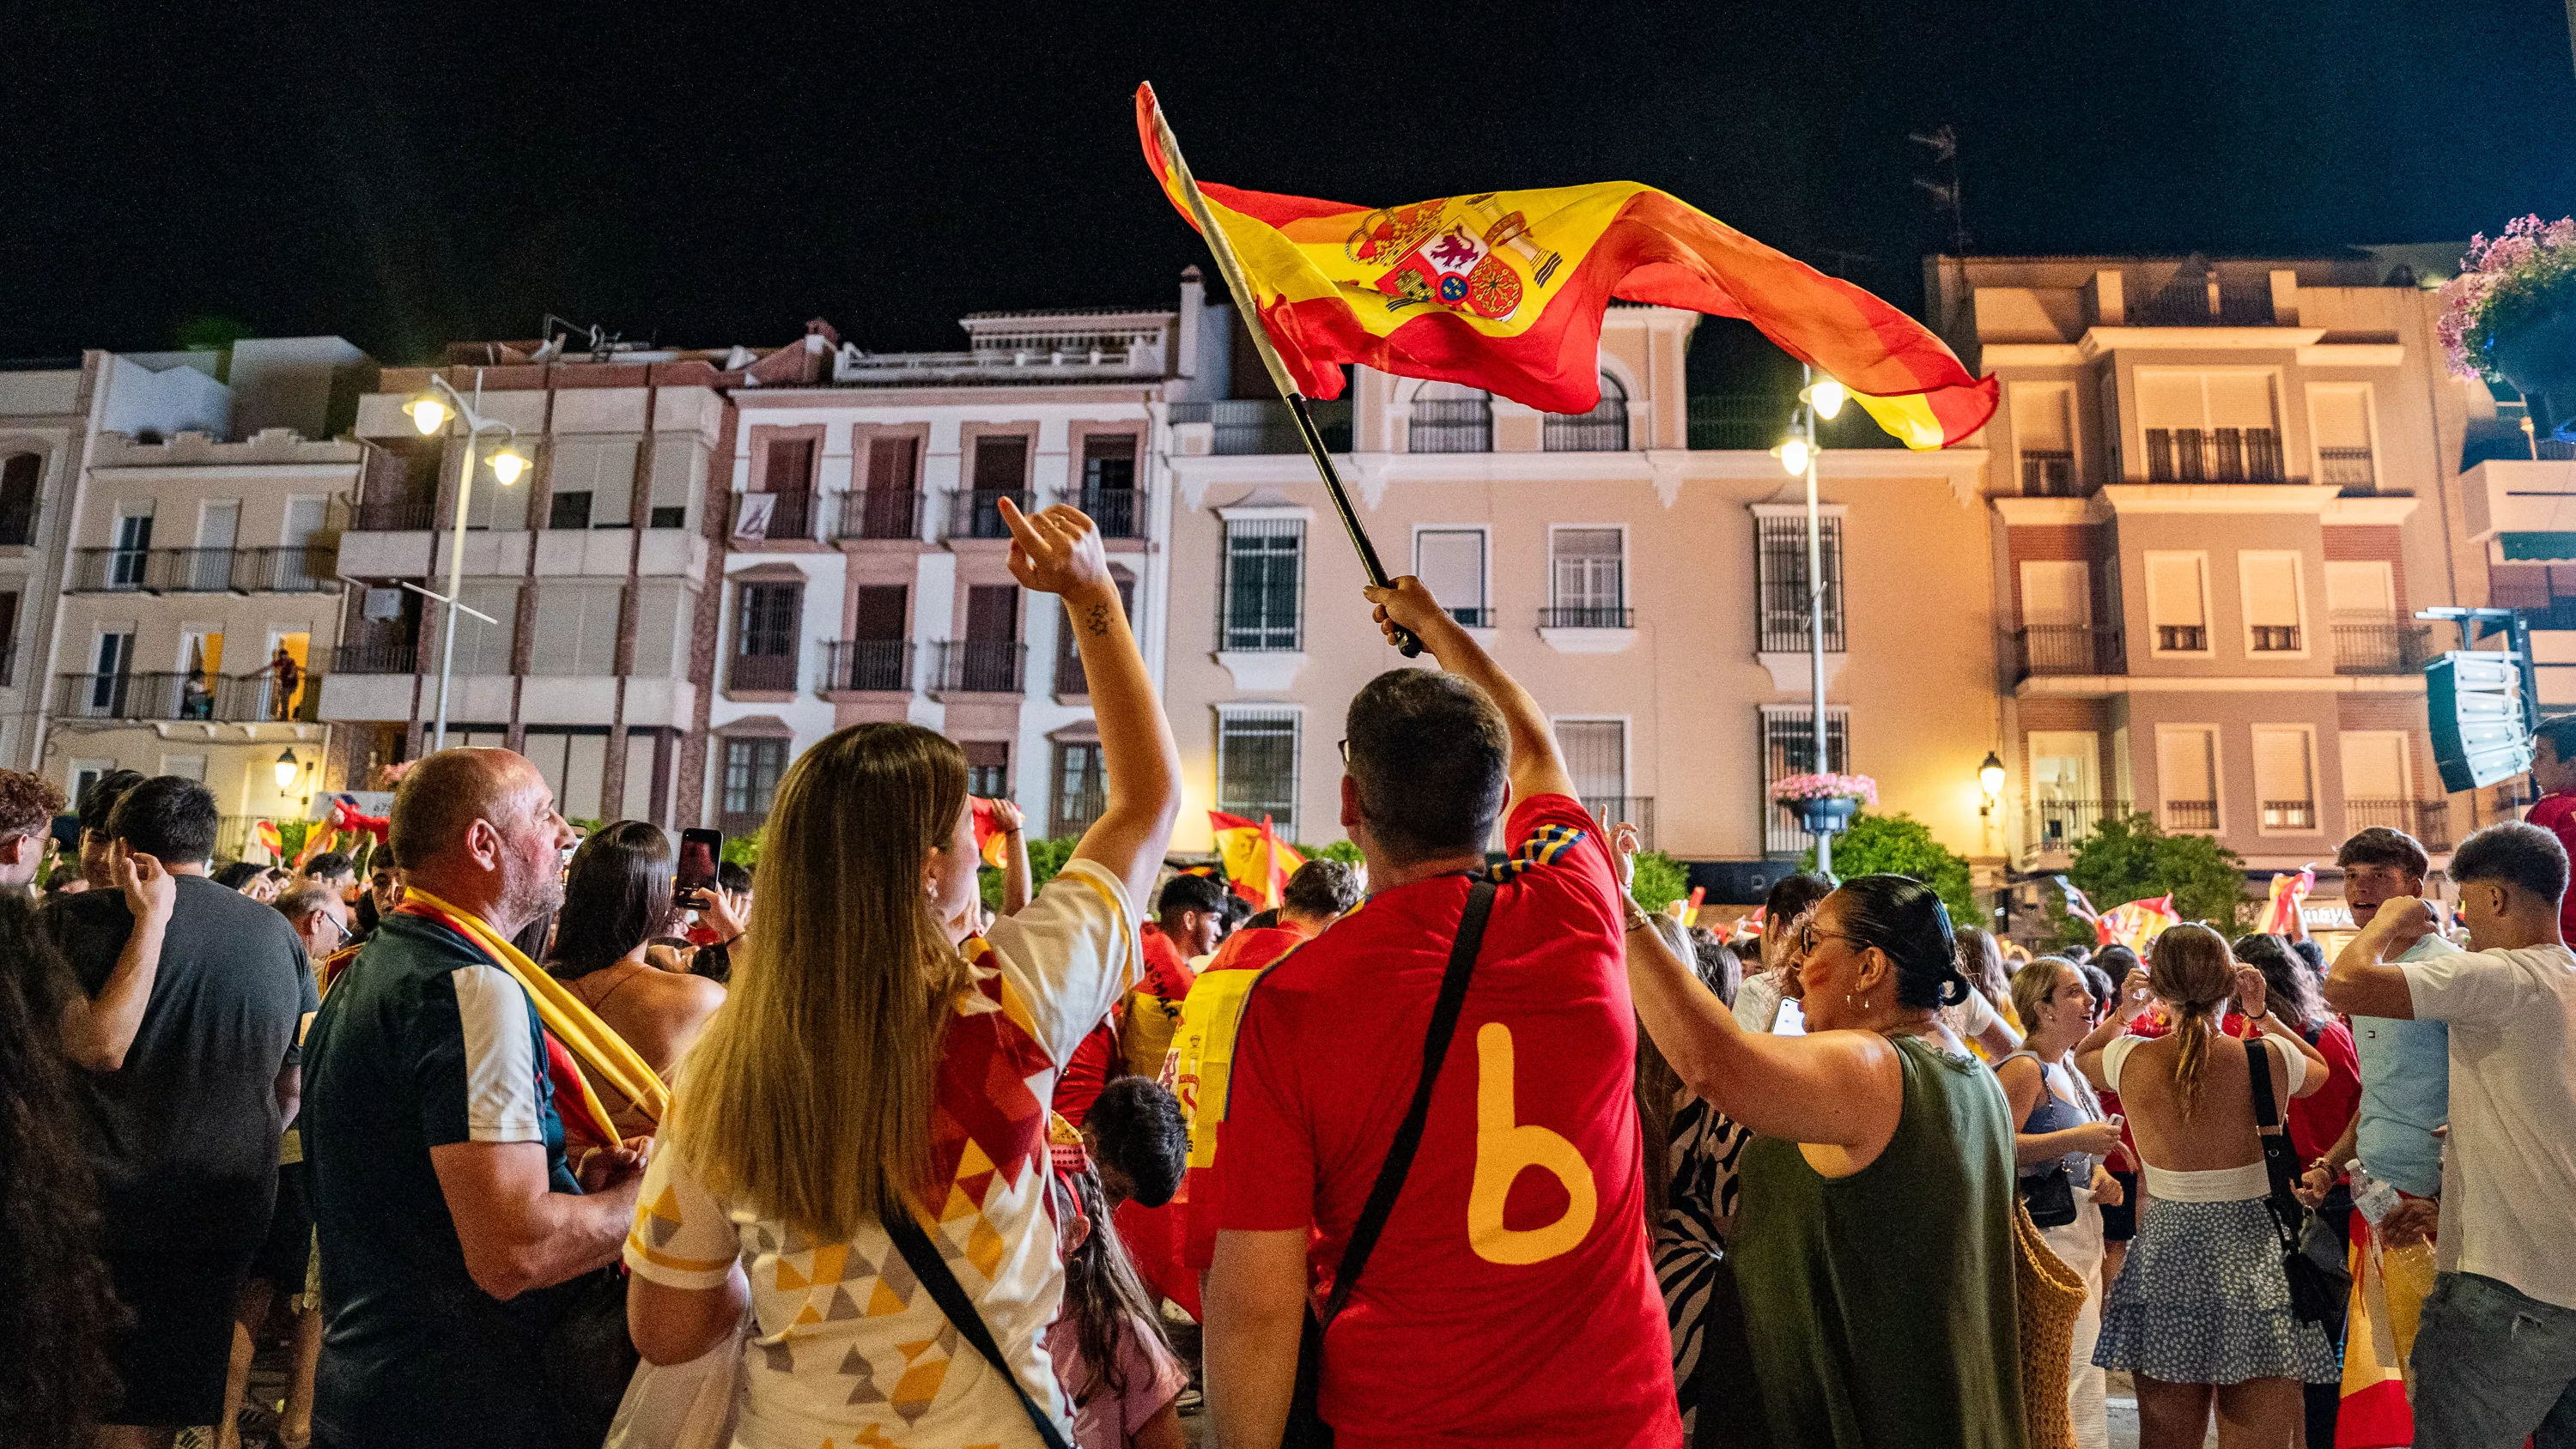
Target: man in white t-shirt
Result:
[2495, 1355]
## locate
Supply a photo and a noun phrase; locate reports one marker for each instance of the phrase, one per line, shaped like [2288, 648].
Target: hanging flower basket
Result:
[2511, 312]
[1825, 803]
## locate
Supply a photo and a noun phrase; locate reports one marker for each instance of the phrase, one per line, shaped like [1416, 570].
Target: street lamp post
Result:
[1798, 455]
[429, 413]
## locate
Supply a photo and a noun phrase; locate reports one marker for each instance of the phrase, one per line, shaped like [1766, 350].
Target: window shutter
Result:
[2175, 588]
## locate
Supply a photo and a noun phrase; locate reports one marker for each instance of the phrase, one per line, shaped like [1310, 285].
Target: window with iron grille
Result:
[1263, 596]
[1602, 430]
[1256, 766]
[1587, 579]
[1780, 581]
[769, 618]
[751, 771]
[1081, 791]
[1789, 748]
[988, 768]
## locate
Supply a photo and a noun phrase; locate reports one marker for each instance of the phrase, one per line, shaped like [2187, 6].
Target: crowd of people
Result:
[1450, 1148]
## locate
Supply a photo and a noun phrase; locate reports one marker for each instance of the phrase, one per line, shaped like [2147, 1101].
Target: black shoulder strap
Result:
[1408, 1135]
[2288, 1215]
[932, 1269]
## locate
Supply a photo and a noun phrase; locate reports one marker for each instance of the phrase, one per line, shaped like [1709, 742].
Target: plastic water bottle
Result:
[2371, 1197]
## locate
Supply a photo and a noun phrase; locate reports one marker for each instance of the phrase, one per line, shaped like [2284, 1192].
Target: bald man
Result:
[453, 1229]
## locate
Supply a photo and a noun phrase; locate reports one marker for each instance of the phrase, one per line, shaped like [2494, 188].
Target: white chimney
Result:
[1193, 310]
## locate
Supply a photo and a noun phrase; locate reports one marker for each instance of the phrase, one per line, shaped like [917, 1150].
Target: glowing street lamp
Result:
[430, 410]
[1990, 779]
[286, 771]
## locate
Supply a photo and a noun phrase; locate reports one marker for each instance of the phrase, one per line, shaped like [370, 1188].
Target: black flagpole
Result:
[1232, 270]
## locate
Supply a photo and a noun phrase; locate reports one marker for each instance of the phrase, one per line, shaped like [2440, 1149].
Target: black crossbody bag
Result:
[932, 1269]
[1306, 1427]
[2309, 1297]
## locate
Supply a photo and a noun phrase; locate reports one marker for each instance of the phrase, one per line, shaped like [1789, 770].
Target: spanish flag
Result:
[265, 832]
[1504, 291]
[2136, 923]
[2290, 890]
[1257, 862]
[991, 841]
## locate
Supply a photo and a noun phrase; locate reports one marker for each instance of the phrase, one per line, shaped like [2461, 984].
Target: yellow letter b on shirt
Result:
[1505, 1148]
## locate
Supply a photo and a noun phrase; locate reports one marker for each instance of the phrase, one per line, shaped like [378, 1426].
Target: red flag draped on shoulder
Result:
[1504, 291]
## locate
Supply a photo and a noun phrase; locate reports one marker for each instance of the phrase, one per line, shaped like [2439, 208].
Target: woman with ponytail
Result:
[2201, 1310]
[1873, 1240]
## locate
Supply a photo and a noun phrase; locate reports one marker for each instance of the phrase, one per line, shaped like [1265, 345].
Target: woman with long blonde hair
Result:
[873, 1057]
[2201, 1310]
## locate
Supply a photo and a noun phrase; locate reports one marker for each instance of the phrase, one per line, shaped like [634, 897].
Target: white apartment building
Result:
[866, 575]
[198, 593]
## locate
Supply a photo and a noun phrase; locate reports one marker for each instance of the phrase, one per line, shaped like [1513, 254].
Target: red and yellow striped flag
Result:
[1504, 290]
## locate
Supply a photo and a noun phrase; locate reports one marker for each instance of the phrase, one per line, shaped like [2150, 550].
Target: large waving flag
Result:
[1504, 290]
[1257, 862]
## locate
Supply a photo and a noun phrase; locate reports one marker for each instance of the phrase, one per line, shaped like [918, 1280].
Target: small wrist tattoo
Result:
[1098, 623]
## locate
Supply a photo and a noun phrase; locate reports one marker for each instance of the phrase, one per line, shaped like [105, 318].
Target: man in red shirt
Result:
[1510, 1300]
[2553, 774]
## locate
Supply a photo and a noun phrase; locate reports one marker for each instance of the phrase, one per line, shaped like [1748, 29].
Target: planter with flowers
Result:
[2511, 313]
[1825, 803]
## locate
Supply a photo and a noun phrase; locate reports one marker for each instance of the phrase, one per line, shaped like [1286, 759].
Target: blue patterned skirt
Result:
[2202, 1300]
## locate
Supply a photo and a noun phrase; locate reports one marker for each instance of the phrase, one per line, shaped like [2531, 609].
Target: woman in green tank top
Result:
[1874, 1241]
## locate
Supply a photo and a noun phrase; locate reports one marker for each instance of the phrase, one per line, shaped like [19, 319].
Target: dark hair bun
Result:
[1903, 918]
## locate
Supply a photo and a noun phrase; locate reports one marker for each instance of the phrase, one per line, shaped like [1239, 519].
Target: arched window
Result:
[1602, 430]
[19, 475]
[1450, 417]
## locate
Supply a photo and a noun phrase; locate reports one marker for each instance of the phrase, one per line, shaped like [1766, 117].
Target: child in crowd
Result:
[1107, 1340]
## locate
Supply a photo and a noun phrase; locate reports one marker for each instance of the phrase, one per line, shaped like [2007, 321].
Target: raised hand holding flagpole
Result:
[1232, 270]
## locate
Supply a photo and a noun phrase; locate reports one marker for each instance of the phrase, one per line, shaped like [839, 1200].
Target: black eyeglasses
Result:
[1808, 935]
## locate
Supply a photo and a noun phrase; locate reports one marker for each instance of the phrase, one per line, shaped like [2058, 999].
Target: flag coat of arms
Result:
[1504, 290]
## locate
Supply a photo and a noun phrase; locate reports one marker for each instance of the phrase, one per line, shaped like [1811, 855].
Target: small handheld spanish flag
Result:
[991, 840]
[2136, 923]
[265, 832]
[1257, 862]
[1504, 290]
[2289, 890]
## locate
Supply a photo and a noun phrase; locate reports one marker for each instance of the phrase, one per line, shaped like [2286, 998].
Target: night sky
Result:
[407, 174]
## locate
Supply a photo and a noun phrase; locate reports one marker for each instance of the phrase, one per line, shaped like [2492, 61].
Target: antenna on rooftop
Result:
[1944, 146]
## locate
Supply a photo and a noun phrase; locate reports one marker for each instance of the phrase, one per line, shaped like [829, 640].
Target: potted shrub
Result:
[1825, 803]
[2511, 312]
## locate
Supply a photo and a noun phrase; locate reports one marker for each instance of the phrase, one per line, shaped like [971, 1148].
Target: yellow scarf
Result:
[595, 1045]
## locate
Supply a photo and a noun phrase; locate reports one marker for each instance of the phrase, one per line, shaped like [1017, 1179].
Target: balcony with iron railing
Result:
[395, 514]
[761, 674]
[981, 666]
[1246, 427]
[2182, 638]
[1587, 616]
[2057, 827]
[2429, 821]
[294, 569]
[1637, 810]
[2213, 455]
[867, 666]
[1078, 799]
[376, 659]
[2070, 649]
[2274, 638]
[977, 512]
[2379, 646]
[879, 513]
[2348, 469]
[2047, 473]
[2203, 301]
[1451, 425]
[2191, 815]
[178, 696]
[1602, 430]
[2289, 814]
[790, 517]
[1748, 421]
[1120, 512]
